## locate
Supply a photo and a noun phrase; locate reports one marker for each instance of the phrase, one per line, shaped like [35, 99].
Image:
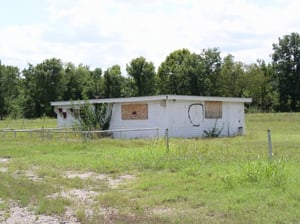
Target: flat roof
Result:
[152, 98]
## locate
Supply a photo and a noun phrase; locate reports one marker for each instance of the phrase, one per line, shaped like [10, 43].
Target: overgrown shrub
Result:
[213, 132]
[96, 117]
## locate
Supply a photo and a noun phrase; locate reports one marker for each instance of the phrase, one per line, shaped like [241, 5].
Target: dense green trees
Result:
[113, 81]
[273, 86]
[286, 61]
[143, 74]
[231, 77]
[175, 73]
[189, 73]
[211, 63]
[10, 91]
[43, 83]
[261, 86]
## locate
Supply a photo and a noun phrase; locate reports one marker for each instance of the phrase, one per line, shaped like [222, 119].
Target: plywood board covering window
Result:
[134, 111]
[213, 109]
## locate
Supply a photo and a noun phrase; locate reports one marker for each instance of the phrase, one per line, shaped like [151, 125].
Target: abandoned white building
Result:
[183, 116]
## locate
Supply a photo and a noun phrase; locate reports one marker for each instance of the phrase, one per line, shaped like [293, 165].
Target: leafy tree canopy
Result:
[143, 74]
[286, 61]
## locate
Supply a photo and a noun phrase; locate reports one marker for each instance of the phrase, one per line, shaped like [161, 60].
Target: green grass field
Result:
[220, 180]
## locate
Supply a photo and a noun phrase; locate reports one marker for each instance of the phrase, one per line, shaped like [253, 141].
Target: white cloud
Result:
[18, 43]
[102, 33]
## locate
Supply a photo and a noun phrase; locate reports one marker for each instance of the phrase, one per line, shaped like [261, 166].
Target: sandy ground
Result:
[20, 215]
[84, 198]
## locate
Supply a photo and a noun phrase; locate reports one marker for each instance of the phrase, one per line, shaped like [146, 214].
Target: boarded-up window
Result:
[134, 112]
[213, 109]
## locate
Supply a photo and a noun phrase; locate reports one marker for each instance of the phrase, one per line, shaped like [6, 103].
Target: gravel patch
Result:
[161, 211]
[3, 169]
[109, 214]
[79, 195]
[20, 215]
[32, 176]
[4, 160]
[113, 182]
[83, 198]
[85, 176]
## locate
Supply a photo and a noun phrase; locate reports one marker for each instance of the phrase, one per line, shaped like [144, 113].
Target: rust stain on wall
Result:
[134, 111]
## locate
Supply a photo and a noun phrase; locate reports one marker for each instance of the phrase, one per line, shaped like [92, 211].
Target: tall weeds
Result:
[270, 173]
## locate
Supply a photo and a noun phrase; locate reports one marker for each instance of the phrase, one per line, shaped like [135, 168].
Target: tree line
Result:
[273, 86]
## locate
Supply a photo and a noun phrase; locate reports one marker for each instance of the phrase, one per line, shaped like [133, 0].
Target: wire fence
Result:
[74, 134]
[28, 123]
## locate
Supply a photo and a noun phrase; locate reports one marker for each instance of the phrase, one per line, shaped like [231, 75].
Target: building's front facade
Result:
[183, 116]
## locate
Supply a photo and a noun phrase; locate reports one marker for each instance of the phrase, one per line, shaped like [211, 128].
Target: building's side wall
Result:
[67, 116]
[192, 119]
[156, 118]
[235, 116]
[186, 119]
[182, 118]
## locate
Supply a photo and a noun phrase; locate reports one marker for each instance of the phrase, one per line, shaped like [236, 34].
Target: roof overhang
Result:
[152, 98]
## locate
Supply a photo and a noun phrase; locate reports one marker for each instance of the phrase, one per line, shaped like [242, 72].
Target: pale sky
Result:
[101, 33]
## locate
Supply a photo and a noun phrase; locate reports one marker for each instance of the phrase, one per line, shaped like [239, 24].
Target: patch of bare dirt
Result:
[4, 160]
[78, 195]
[161, 211]
[19, 215]
[83, 199]
[85, 176]
[32, 176]
[113, 182]
[109, 213]
[3, 169]
[1, 211]
[86, 198]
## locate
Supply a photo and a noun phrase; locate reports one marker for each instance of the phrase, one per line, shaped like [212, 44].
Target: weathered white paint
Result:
[70, 120]
[184, 116]
[157, 118]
